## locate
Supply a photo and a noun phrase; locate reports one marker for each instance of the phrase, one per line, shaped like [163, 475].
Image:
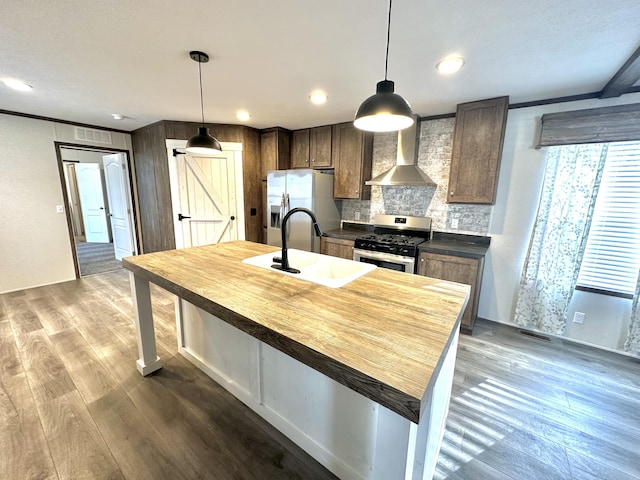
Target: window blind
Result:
[620, 123]
[612, 254]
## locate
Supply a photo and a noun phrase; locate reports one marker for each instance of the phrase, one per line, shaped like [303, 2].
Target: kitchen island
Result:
[359, 376]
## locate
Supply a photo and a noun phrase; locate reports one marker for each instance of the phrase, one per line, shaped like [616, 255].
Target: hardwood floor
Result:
[73, 406]
[529, 408]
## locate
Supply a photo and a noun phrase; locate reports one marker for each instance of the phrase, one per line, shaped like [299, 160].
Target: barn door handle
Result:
[182, 217]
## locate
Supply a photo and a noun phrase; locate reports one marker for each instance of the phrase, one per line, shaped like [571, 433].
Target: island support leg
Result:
[149, 361]
[408, 450]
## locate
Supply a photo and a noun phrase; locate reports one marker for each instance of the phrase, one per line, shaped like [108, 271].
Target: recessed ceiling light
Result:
[450, 64]
[318, 97]
[17, 84]
[243, 115]
[117, 116]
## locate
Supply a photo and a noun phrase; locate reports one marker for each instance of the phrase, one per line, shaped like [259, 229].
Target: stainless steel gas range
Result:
[394, 242]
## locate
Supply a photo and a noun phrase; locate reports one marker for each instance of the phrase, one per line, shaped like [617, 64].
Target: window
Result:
[612, 254]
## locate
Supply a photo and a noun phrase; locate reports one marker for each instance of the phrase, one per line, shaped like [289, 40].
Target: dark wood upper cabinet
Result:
[320, 147]
[300, 148]
[311, 148]
[477, 150]
[275, 150]
[352, 159]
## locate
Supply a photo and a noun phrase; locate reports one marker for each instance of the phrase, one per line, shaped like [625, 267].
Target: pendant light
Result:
[385, 111]
[202, 143]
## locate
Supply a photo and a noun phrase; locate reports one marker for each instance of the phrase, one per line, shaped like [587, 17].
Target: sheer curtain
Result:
[632, 345]
[550, 272]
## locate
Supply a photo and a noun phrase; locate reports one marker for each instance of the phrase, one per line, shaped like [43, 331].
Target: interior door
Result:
[206, 200]
[94, 214]
[117, 180]
[74, 199]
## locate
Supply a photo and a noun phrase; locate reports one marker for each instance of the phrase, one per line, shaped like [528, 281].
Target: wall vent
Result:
[535, 335]
[91, 135]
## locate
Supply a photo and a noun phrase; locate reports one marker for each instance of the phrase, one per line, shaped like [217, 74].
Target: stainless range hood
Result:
[405, 172]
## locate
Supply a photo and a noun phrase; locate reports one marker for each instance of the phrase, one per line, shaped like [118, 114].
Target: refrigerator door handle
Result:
[287, 205]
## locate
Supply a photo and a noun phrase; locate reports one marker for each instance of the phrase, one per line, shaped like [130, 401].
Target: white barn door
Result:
[207, 196]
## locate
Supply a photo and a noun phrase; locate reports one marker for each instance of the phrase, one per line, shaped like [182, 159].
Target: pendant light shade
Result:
[202, 143]
[386, 111]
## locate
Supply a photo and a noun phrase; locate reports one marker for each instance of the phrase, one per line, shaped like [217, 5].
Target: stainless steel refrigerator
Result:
[312, 189]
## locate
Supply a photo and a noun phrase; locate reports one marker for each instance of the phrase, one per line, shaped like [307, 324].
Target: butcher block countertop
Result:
[382, 335]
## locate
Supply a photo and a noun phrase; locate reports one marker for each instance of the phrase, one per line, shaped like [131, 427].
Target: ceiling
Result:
[87, 60]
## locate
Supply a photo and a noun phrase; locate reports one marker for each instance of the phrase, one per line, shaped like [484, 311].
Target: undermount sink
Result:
[324, 270]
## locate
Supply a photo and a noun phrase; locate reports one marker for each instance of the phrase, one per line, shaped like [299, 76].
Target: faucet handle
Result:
[277, 259]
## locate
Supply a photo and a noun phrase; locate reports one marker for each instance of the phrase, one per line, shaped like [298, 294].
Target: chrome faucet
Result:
[282, 263]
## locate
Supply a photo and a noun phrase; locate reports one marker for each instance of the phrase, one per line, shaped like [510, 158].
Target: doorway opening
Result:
[97, 190]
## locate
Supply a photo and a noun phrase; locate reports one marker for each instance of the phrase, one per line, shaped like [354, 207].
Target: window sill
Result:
[600, 291]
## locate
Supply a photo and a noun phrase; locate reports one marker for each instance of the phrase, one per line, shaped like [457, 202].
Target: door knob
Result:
[182, 217]
[232, 217]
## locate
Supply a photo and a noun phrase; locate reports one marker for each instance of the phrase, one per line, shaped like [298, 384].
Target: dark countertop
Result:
[470, 246]
[349, 231]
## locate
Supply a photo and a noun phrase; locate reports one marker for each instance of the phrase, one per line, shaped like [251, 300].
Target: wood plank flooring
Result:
[73, 406]
[529, 408]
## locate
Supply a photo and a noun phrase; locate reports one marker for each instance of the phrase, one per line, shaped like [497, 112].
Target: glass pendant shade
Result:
[385, 111]
[203, 143]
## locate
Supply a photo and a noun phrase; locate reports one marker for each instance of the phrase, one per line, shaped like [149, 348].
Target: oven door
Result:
[385, 260]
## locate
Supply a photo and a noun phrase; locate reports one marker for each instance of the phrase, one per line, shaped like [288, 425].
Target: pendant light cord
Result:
[386, 58]
[201, 100]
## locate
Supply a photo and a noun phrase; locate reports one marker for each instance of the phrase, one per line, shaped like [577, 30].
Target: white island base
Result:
[352, 436]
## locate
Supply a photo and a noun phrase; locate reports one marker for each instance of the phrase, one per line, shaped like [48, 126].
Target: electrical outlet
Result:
[454, 223]
[357, 215]
[578, 317]
[59, 208]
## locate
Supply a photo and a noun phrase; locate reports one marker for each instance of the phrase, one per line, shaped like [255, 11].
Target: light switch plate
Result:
[59, 208]
[454, 223]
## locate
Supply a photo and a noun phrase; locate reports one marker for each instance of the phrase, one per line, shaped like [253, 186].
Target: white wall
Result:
[521, 175]
[35, 248]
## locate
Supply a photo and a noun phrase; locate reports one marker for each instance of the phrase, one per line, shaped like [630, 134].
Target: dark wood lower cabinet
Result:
[337, 247]
[460, 270]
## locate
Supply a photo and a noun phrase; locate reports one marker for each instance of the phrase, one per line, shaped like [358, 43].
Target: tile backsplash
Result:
[434, 158]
